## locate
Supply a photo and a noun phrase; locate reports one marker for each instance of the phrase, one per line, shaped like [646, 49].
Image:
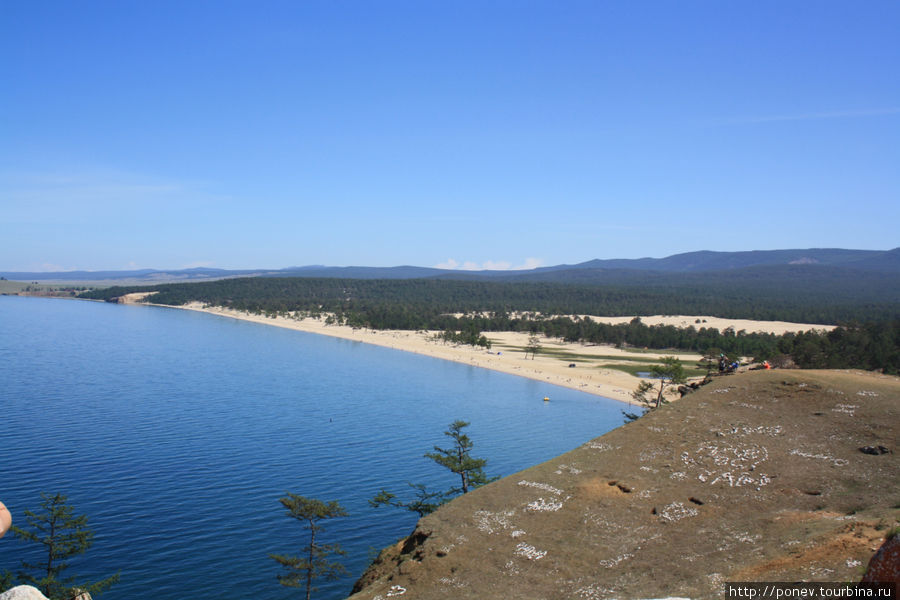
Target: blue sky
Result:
[476, 134]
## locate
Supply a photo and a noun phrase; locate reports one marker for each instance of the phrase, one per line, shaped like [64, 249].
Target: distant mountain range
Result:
[836, 260]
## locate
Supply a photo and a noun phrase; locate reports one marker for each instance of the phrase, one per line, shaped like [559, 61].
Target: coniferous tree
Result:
[316, 562]
[425, 501]
[63, 536]
[459, 460]
[6, 580]
[669, 373]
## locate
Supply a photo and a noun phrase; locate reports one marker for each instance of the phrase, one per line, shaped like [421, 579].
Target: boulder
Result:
[27, 592]
[885, 565]
[22, 592]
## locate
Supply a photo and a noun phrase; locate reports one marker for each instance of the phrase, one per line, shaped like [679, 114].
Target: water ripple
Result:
[177, 432]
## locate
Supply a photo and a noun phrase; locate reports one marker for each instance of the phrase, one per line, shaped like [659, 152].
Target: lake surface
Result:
[176, 432]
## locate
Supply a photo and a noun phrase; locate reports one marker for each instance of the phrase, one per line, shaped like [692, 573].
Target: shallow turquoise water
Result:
[176, 433]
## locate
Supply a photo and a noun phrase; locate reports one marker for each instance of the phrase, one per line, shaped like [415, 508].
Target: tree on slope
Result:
[316, 563]
[425, 501]
[668, 374]
[63, 536]
[459, 460]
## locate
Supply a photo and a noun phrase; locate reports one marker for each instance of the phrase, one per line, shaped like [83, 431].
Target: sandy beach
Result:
[506, 355]
[592, 368]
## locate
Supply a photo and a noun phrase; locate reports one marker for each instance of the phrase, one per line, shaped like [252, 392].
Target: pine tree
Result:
[668, 374]
[316, 562]
[63, 536]
[534, 345]
[425, 502]
[458, 460]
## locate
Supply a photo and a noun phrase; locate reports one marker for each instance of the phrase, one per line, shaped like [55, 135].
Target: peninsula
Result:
[602, 370]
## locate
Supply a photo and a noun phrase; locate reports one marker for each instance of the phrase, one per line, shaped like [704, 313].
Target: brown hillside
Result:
[756, 477]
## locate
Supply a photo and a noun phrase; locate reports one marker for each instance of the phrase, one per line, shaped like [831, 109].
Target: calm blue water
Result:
[177, 432]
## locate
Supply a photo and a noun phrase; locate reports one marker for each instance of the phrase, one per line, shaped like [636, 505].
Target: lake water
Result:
[176, 432]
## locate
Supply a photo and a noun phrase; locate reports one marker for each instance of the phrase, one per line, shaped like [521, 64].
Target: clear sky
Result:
[241, 134]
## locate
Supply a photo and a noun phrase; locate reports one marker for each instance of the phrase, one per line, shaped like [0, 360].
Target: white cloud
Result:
[530, 263]
[489, 265]
[448, 264]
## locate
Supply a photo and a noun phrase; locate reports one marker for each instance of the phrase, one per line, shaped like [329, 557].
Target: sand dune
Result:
[776, 327]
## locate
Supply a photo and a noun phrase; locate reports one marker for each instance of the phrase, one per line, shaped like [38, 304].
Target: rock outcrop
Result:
[754, 477]
[27, 592]
[885, 565]
[23, 592]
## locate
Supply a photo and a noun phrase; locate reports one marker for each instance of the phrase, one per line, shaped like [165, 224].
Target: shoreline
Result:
[600, 370]
[551, 365]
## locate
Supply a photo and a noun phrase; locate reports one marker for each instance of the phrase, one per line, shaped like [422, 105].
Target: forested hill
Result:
[799, 293]
[705, 260]
[429, 304]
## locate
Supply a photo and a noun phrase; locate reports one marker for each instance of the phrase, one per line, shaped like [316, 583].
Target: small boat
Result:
[546, 398]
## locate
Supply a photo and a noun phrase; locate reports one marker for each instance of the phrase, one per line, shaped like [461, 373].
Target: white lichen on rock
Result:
[612, 562]
[770, 430]
[511, 568]
[838, 462]
[542, 505]
[493, 522]
[598, 446]
[567, 469]
[541, 486]
[530, 552]
[728, 463]
[676, 511]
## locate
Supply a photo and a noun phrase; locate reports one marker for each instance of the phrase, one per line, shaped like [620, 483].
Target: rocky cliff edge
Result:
[763, 476]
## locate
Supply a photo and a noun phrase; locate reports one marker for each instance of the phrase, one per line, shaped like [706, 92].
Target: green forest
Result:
[868, 336]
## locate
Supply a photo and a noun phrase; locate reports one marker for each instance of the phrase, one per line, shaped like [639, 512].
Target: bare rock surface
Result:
[885, 565]
[755, 477]
[22, 592]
